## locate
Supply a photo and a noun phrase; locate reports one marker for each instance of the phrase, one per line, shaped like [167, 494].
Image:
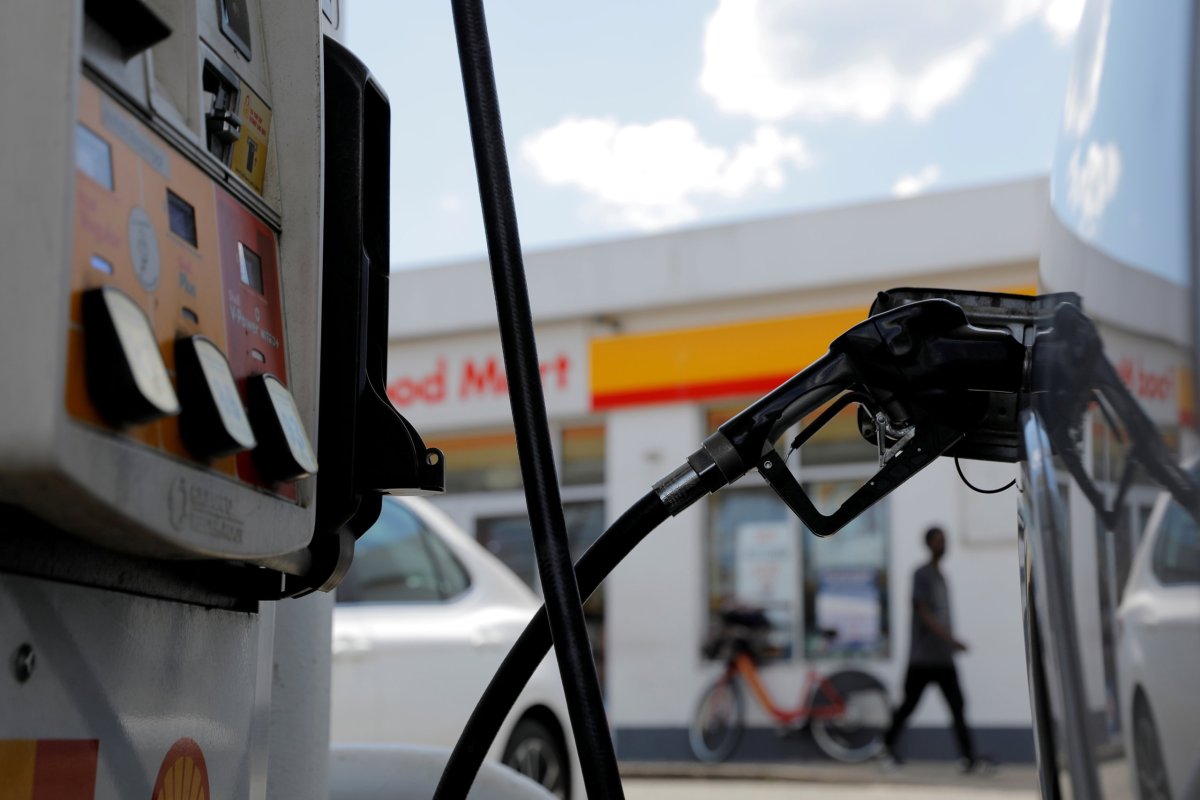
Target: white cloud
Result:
[450, 202]
[862, 59]
[1061, 18]
[1083, 88]
[910, 184]
[1092, 182]
[650, 176]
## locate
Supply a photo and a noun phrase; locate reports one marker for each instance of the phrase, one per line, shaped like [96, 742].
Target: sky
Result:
[632, 117]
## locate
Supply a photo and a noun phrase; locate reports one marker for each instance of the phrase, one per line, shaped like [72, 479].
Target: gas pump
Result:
[193, 201]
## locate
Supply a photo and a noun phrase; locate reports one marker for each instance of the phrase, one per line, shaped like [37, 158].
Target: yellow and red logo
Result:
[48, 769]
[183, 774]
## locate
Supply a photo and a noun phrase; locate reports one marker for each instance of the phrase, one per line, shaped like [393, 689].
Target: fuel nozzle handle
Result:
[922, 365]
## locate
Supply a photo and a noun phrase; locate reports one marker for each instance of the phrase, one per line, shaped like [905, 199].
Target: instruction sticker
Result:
[250, 150]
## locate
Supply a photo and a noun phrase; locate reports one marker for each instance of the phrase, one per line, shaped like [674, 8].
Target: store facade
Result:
[646, 346]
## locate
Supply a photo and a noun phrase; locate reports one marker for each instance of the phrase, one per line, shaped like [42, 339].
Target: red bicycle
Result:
[847, 711]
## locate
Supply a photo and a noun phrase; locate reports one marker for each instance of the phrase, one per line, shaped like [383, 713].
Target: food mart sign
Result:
[460, 382]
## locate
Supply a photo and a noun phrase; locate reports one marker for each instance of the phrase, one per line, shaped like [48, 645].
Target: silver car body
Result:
[412, 672]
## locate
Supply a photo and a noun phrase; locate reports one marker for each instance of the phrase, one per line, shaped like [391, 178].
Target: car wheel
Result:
[537, 753]
[1147, 755]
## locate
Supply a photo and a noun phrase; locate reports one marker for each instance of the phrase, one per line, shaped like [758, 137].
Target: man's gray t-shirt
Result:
[927, 648]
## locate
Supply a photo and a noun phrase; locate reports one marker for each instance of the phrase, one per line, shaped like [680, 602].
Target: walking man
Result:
[931, 654]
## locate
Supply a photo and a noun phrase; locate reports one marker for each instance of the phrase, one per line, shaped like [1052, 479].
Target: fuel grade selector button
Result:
[284, 452]
[212, 421]
[125, 374]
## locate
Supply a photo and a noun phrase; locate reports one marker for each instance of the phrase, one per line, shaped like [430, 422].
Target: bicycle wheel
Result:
[855, 734]
[718, 722]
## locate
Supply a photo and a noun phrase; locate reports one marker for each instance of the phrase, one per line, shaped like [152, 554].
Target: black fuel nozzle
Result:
[923, 375]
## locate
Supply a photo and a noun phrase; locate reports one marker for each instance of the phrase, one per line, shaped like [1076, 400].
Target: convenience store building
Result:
[646, 345]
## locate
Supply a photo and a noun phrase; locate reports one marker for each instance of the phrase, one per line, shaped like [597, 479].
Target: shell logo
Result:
[183, 774]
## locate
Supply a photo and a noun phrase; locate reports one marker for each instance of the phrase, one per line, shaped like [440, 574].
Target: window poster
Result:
[766, 576]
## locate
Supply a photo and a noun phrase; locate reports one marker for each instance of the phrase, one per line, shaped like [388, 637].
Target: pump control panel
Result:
[171, 275]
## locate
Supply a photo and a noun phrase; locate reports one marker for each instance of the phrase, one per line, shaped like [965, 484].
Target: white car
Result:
[423, 618]
[1159, 623]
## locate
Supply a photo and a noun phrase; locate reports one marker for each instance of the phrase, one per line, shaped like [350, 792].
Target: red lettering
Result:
[562, 366]
[1152, 386]
[1146, 385]
[556, 370]
[478, 378]
[488, 379]
[1125, 372]
[430, 388]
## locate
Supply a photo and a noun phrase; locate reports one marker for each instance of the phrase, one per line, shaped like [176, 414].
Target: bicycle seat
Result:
[752, 618]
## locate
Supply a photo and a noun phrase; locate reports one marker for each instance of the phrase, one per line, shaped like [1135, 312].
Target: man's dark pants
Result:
[946, 677]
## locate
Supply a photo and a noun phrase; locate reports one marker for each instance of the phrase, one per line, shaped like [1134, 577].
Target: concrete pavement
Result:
[669, 780]
[735, 789]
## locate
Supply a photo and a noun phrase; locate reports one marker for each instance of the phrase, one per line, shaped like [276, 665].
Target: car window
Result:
[1177, 551]
[395, 563]
[453, 579]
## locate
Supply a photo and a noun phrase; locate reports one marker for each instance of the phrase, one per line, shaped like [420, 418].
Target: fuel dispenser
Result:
[193, 203]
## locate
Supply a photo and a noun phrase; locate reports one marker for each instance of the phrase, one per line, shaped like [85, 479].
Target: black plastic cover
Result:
[365, 447]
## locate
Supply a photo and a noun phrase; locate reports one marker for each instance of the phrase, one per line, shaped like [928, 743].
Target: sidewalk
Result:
[942, 773]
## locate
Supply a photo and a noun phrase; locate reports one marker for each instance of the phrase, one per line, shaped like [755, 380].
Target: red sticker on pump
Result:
[48, 769]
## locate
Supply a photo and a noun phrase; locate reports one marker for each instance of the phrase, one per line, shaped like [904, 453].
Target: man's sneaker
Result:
[889, 761]
[979, 766]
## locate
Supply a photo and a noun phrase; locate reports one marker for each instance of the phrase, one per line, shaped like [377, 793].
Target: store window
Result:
[825, 598]
[754, 562]
[483, 462]
[488, 462]
[719, 415]
[582, 455]
[839, 442]
[846, 581]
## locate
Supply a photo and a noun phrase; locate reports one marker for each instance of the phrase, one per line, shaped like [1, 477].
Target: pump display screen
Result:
[182, 218]
[93, 157]
[235, 24]
[251, 268]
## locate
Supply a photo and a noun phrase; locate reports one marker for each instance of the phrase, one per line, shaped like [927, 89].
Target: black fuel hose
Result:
[577, 670]
[534, 642]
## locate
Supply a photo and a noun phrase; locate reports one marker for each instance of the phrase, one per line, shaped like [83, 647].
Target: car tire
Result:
[1149, 766]
[535, 751]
